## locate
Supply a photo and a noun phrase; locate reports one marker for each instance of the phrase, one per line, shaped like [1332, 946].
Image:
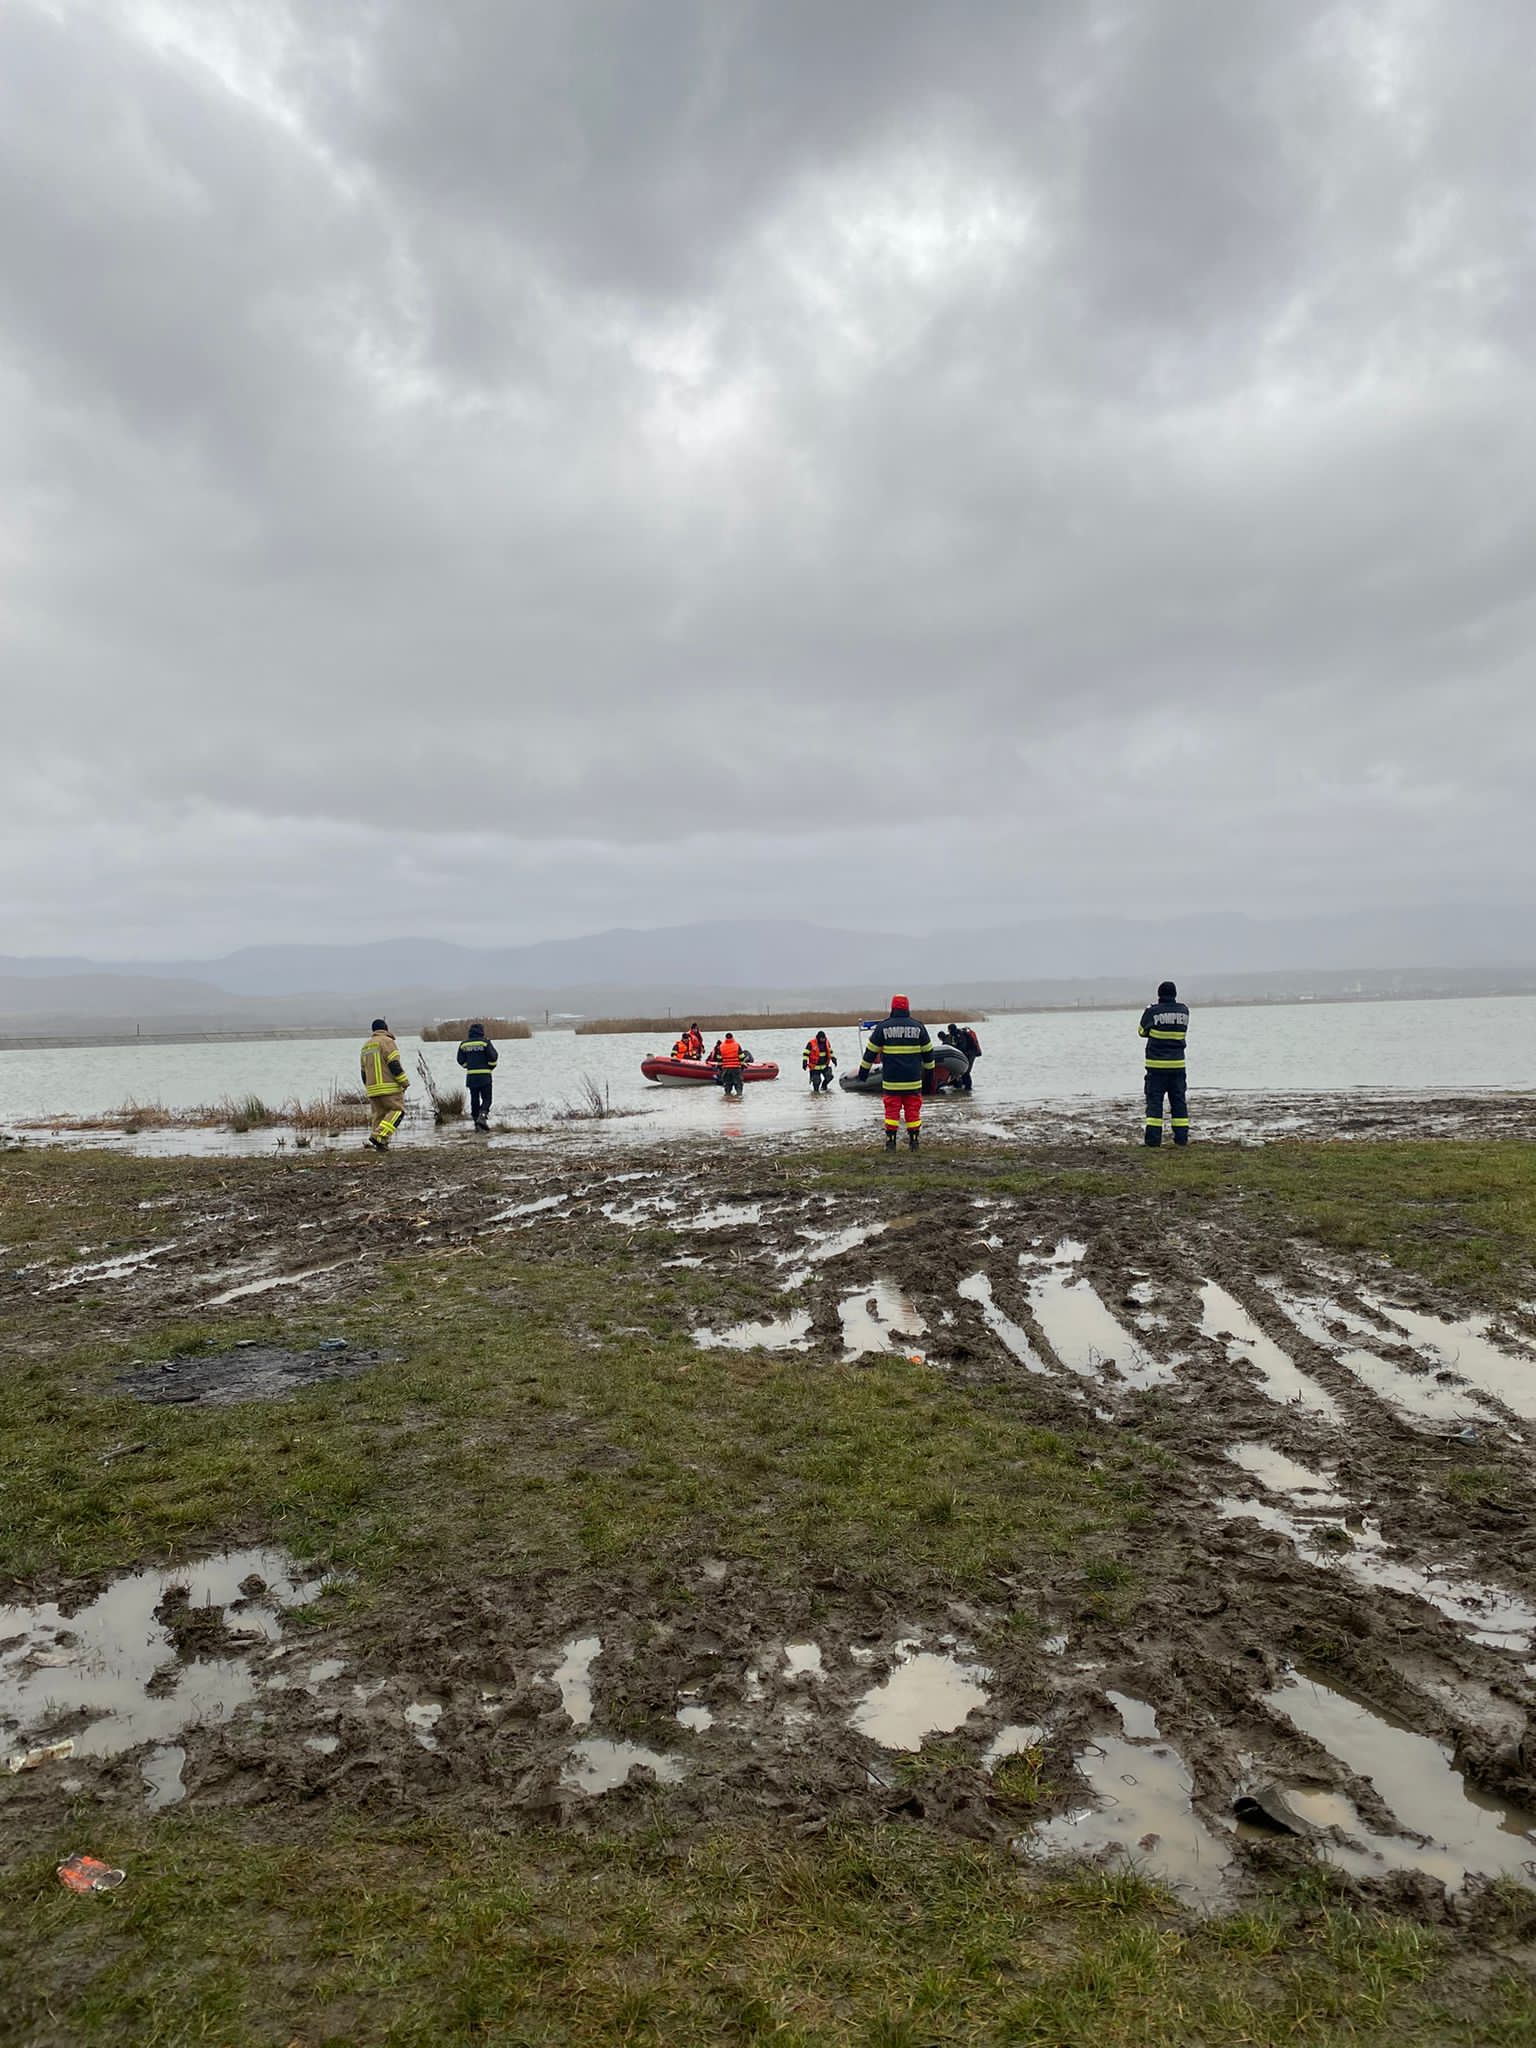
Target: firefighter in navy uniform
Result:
[478, 1057]
[1165, 1027]
[905, 1052]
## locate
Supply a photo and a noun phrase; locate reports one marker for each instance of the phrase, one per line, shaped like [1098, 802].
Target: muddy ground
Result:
[1322, 1594]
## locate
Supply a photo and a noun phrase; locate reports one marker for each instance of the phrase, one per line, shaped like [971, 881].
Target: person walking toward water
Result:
[384, 1082]
[905, 1052]
[478, 1057]
[1165, 1027]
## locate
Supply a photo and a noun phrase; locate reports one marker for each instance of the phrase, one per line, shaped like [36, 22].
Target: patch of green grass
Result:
[1019, 1780]
[551, 1411]
[423, 1938]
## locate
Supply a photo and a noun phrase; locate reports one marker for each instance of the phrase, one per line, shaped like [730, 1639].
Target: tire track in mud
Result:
[1254, 1613]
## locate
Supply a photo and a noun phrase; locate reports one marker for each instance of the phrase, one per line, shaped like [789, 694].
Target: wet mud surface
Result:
[1323, 1646]
[250, 1372]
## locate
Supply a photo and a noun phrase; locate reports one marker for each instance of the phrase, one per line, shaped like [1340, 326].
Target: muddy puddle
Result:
[929, 1692]
[1466, 1349]
[1227, 1322]
[248, 1290]
[1466, 1832]
[775, 1333]
[156, 1654]
[1424, 1395]
[118, 1268]
[879, 1318]
[251, 1372]
[977, 1288]
[1078, 1326]
[1278, 1472]
[1143, 1812]
[1489, 1615]
[598, 1763]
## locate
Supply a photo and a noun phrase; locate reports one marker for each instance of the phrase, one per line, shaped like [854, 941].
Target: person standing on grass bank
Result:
[1165, 1027]
[478, 1057]
[905, 1052]
[385, 1082]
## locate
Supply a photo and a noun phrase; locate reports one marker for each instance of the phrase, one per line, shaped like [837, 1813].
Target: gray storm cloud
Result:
[643, 454]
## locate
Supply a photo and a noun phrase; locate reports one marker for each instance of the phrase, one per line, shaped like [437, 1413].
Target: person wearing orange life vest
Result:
[818, 1060]
[905, 1052]
[384, 1082]
[695, 1038]
[683, 1050]
[729, 1055]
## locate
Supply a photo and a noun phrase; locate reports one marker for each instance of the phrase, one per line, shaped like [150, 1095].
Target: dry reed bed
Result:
[452, 1029]
[747, 1020]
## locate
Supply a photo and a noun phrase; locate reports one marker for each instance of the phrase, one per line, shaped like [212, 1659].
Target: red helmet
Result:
[900, 1003]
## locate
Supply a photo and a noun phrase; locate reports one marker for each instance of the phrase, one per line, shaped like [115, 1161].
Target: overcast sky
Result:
[514, 467]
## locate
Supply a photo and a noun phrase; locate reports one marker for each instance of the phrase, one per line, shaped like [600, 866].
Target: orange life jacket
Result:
[730, 1052]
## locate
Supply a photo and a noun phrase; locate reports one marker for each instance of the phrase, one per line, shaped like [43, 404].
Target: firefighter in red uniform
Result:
[905, 1052]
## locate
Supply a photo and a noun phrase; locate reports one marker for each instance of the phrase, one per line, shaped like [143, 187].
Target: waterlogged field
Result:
[1061, 1062]
[682, 1594]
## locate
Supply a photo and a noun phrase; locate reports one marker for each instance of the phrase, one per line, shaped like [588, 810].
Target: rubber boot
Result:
[911, 1141]
[890, 1141]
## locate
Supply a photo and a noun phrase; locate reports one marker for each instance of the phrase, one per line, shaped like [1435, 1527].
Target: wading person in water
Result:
[1165, 1027]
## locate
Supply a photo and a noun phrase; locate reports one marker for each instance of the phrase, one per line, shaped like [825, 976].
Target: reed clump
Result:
[452, 1029]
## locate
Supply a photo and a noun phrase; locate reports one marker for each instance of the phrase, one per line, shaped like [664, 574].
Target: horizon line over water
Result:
[566, 1021]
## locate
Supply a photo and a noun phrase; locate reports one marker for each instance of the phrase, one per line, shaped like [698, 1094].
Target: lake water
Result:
[1433, 1047]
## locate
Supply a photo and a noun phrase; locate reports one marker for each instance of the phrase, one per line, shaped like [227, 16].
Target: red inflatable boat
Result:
[673, 1073]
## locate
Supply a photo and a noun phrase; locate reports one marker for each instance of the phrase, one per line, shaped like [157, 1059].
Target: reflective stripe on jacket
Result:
[477, 1056]
[382, 1067]
[1165, 1027]
[905, 1051]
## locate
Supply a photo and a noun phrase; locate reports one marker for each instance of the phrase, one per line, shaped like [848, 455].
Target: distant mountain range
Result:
[267, 986]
